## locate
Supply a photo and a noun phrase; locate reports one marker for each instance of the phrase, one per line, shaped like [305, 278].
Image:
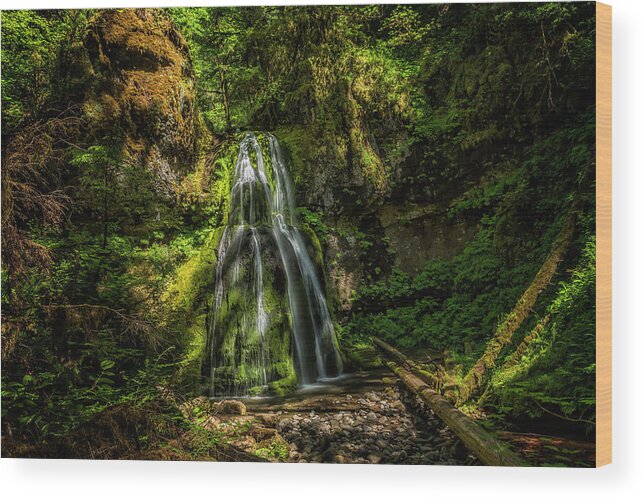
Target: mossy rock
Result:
[141, 85]
[185, 305]
[283, 386]
[361, 357]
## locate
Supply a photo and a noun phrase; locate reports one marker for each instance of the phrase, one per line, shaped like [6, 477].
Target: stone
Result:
[231, 407]
[372, 396]
[374, 458]
[398, 406]
[269, 419]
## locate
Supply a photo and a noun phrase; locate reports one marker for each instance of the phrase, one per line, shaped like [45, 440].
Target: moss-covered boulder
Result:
[142, 92]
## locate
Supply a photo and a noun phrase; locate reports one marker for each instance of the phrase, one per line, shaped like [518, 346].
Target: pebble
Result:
[392, 427]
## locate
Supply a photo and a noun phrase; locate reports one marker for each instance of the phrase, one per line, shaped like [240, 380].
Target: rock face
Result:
[380, 212]
[418, 233]
[142, 92]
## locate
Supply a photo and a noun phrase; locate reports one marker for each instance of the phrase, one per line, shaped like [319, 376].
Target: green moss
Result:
[185, 305]
[241, 346]
[283, 386]
[361, 356]
[299, 146]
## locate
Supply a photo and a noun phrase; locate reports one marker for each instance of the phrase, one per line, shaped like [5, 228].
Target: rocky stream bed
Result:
[366, 419]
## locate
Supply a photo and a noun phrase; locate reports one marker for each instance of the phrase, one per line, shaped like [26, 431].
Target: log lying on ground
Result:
[429, 378]
[505, 331]
[482, 443]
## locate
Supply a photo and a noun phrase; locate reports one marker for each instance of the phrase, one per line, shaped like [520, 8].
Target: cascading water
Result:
[269, 318]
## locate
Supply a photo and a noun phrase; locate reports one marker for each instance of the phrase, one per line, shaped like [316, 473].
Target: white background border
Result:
[121, 480]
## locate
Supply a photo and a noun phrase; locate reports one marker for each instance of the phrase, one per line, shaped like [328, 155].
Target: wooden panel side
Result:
[603, 234]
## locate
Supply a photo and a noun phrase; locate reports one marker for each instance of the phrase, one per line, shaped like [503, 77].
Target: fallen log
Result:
[482, 443]
[513, 320]
[426, 376]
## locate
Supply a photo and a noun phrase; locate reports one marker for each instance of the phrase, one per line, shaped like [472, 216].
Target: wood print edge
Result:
[603, 234]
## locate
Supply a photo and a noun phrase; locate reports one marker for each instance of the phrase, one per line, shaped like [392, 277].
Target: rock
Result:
[143, 85]
[247, 442]
[374, 458]
[231, 407]
[261, 433]
[284, 425]
[371, 416]
[269, 419]
[372, 396]
[329, 454]
[398, 406]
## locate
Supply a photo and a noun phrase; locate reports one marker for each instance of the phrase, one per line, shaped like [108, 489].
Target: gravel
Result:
[390, 427]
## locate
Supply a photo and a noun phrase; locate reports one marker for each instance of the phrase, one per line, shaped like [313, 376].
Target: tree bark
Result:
[226, 102]
[426, 376]
[483, 444]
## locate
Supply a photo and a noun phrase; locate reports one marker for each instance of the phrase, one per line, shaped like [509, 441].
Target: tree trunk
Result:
[473, 380]
[482, 443]
[426, 376]
[522, 348]
[105, 206]
[226, 102]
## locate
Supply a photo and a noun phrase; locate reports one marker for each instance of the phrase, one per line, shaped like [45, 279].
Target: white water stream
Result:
[262, 213]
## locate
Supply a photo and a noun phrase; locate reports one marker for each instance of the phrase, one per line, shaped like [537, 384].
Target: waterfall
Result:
[267, 292]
